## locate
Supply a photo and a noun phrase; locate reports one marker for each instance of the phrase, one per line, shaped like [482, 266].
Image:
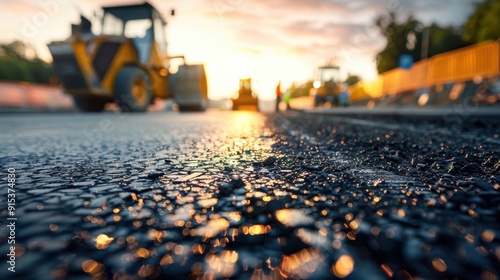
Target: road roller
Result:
[246, 97]
[127, 63]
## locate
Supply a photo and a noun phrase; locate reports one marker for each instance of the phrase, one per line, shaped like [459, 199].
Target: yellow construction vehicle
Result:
[246, 97]
[327, 86]
[127, 63]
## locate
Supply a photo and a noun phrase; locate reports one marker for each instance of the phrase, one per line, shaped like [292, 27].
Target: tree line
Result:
[16, 66]
[411, 37]
[403, 37]
[407, 37]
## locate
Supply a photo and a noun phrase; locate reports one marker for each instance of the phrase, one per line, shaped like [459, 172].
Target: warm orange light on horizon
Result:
[222, 42]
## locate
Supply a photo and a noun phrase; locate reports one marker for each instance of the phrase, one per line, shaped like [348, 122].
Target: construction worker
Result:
[286, 97]
[278, 96]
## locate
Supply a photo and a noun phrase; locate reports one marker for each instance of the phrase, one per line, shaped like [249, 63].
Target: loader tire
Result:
[89, 103]
[133, 90]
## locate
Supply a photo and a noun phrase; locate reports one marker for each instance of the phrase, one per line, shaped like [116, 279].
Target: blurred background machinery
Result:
[126, 64]
[246, 97]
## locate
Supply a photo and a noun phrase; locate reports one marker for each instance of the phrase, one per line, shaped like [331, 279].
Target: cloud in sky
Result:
[266, 39]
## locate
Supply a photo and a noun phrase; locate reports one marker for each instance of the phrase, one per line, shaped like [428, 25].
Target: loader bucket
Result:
[189, 87]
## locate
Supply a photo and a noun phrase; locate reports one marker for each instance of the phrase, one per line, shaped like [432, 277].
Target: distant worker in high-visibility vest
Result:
[286, 97]
[278, 96]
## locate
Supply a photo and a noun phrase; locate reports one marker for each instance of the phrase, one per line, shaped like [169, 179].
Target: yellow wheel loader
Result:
[127, 63]
[327, 86]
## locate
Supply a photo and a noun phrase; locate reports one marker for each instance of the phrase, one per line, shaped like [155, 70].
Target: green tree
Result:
[352, 79]
[401, 39]
[406, 38]
[15, 66]
[303, 89]
[484, 23]
[444, 39]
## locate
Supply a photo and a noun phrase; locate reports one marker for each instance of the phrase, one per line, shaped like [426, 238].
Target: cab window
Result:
[112, 25]
[159, 30]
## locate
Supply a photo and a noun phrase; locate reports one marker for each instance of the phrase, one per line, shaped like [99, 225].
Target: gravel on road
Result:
[243, 195]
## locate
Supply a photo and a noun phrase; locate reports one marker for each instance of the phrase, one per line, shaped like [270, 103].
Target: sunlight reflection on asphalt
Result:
[242, 195]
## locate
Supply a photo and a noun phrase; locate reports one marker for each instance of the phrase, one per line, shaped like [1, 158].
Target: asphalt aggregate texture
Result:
[243, 195]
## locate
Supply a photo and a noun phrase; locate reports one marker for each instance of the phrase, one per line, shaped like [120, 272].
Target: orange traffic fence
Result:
[366, 90]
[465, 64]
[25, 95]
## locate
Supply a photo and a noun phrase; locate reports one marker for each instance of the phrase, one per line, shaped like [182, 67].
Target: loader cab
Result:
[245, 86]
[328, 74]
[143, 24]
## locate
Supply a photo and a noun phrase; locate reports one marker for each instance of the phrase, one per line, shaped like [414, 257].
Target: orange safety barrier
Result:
[392, 81]
[366, 89]
[401, 80]
[460, 65]
[414, 78]
[25, 95]
[466, 63]
[374, 88]
[357, 92]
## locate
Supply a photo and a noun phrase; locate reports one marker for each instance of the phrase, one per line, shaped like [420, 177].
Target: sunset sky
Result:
[268, 40]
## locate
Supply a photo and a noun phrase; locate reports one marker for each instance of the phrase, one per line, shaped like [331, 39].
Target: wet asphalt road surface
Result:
[248, 196]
